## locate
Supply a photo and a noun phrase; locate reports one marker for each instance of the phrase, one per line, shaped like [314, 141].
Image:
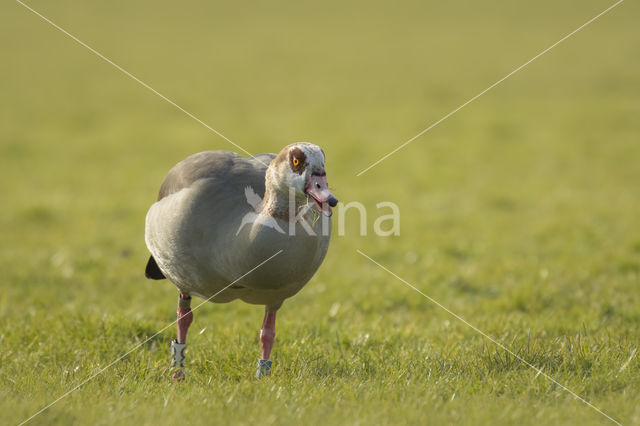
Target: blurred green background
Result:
[520, 212]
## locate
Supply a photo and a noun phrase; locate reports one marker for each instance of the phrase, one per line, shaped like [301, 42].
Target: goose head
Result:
[299, 168]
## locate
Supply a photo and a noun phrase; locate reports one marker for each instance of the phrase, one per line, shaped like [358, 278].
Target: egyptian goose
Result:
[220, 216]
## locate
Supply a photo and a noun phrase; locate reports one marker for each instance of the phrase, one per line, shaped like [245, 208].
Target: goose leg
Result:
[178, 346]
[267, 335]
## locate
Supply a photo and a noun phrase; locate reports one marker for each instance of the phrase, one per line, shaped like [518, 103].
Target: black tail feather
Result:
[153, 271]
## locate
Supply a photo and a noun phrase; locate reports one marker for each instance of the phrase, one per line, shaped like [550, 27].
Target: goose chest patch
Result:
[297, 160]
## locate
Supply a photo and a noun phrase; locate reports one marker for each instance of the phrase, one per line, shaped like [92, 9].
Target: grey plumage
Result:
[191, 231]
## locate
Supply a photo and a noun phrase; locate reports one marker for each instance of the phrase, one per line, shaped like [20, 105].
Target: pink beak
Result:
[318, 189]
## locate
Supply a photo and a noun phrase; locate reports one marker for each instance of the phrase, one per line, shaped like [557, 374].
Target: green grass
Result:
[519, 213]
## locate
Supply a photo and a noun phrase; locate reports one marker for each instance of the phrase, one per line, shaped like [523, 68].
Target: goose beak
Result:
[318, 189]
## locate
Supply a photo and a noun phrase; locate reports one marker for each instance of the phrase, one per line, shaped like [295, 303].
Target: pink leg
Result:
[268, 333]
[185, 317]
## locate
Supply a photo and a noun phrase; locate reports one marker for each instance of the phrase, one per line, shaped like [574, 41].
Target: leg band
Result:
[264, 368]
[177, 352]
[184, 302]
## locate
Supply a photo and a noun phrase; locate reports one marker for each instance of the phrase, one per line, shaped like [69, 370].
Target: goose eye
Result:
[296, 161]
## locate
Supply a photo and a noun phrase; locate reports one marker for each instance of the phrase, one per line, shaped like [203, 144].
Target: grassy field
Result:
[521, 213]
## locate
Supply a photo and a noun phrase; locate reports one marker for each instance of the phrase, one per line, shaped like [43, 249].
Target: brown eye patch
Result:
[297, 160]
